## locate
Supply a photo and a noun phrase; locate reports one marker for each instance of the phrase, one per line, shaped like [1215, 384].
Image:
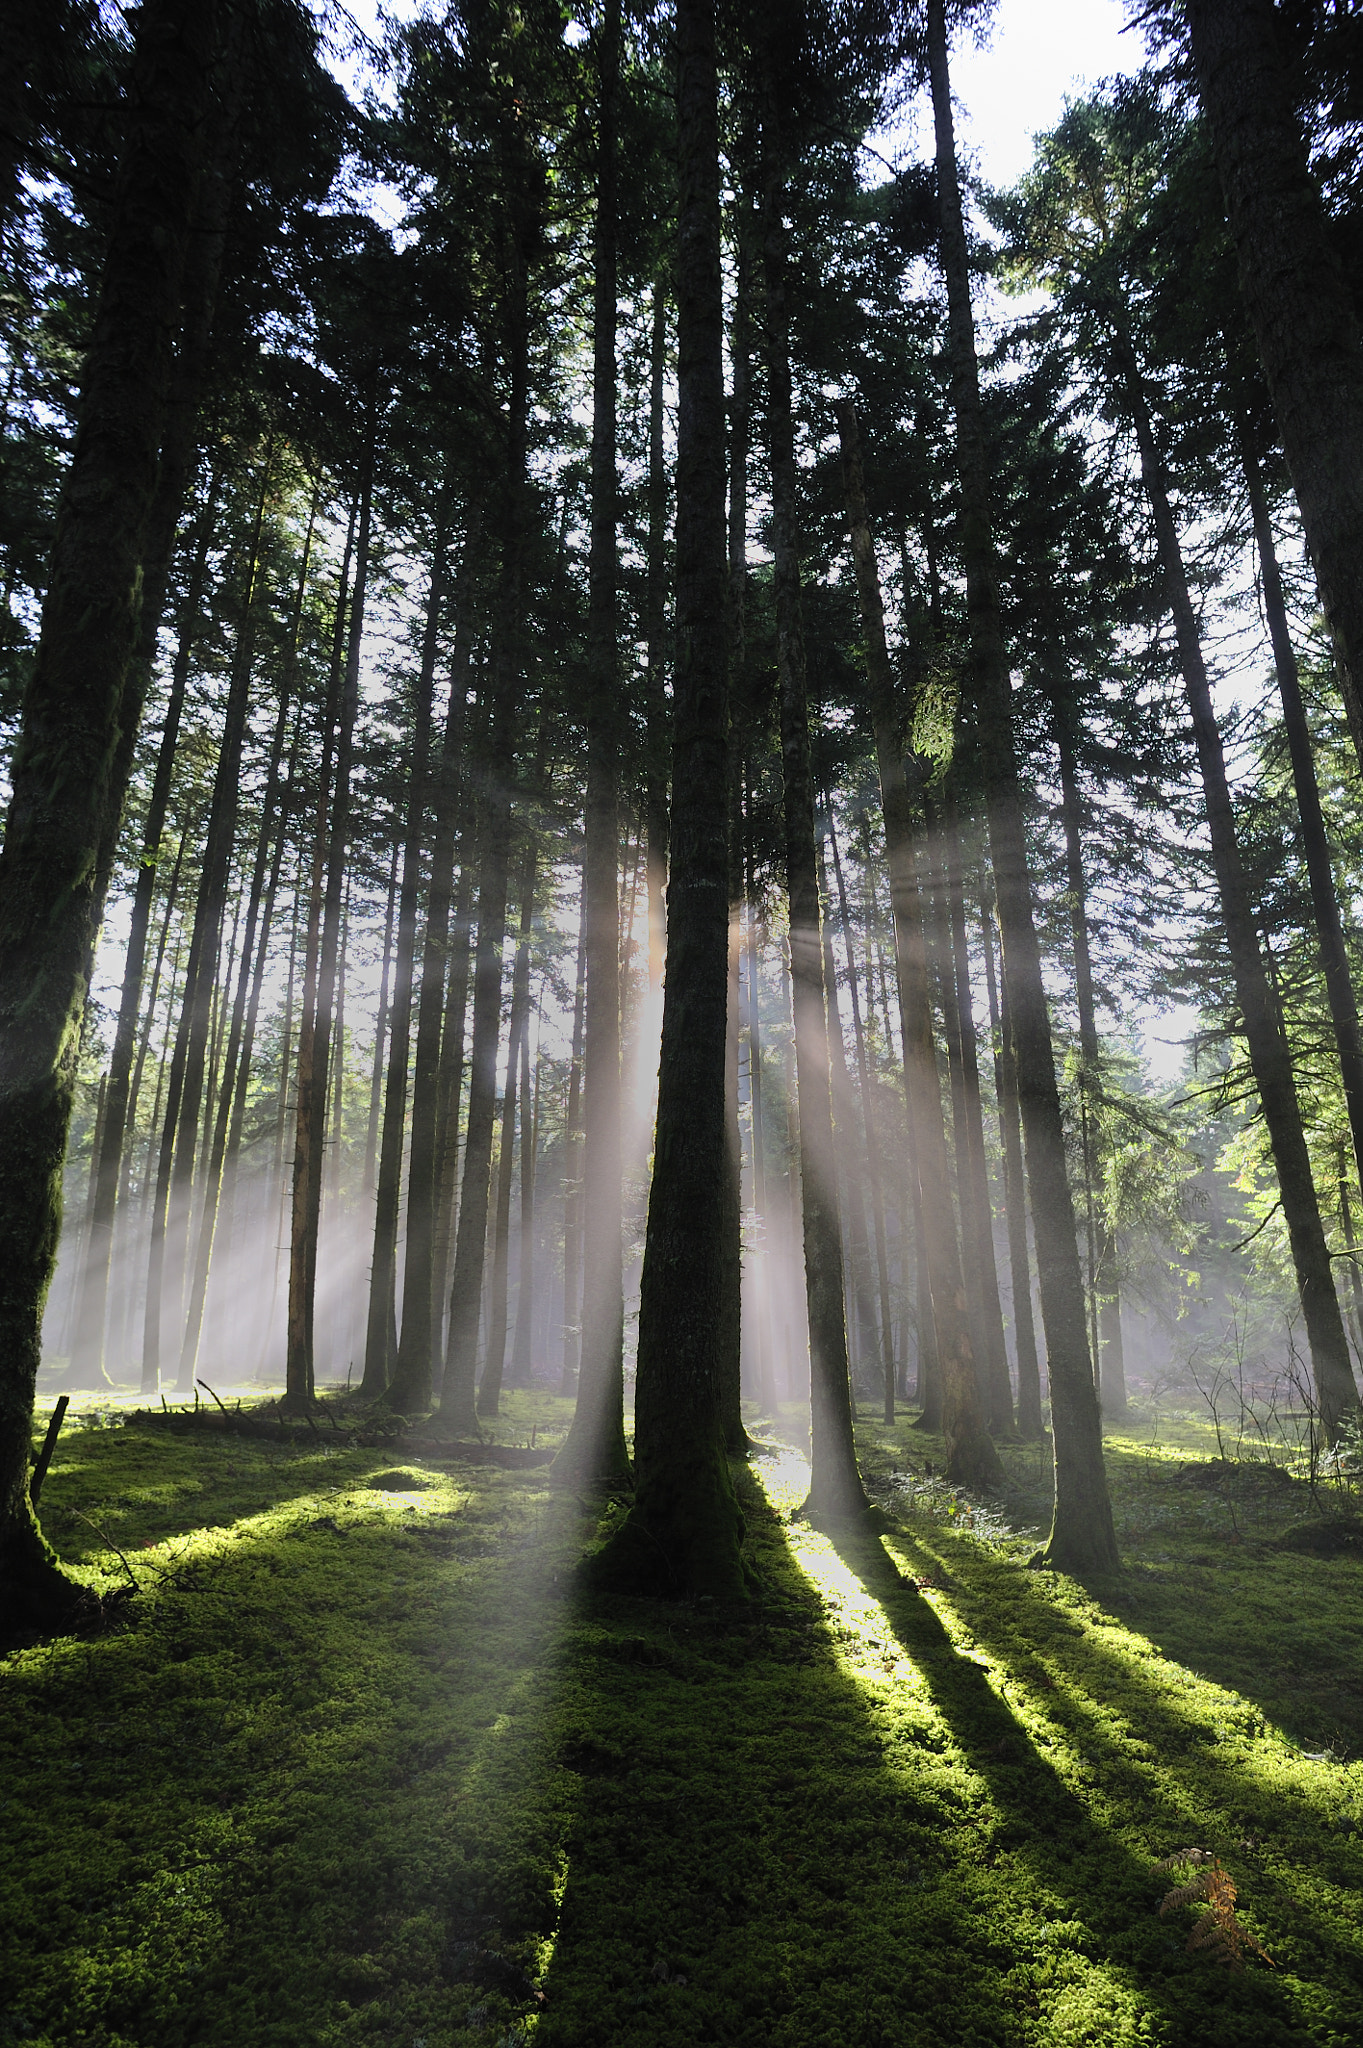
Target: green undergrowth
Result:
[362, 1763]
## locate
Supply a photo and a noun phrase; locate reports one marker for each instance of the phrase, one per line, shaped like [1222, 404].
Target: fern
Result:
[1216, 1932]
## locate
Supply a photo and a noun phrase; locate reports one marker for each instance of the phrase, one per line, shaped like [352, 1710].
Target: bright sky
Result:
[1015, 87]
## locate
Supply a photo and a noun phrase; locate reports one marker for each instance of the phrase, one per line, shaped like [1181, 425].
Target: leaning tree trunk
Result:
[944, 1334]
[1269, 1053]
[595, 1444]
[1082, 1535]
[835, 1491]
[1300, 301]
[65, 791]
[683, 1532]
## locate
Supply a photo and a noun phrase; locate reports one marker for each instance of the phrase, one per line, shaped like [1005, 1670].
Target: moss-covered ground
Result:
[361, 1763]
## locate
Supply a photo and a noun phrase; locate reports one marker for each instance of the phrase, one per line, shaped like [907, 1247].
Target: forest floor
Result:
[362, 1763]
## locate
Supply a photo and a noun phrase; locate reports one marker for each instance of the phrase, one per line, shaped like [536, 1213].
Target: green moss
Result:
[367, 1764]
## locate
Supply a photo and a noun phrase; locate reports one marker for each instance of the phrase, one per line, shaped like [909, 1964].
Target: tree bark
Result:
[423, 1280]
[490, 1386]
[683, 1533]
[594, 1448]
[1334, 956]
[655, 627]
[972, 1459]
[379, 1353]
[1082, 1536]
[1031, 1422]
[456, 1414]
[89, 1342]
[835, 1491]
[1298, 297]
[1269, 1053]
[873, 1162]
[572, 1184]
[65, 793]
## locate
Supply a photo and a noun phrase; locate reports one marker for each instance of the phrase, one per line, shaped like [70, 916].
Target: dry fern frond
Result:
[1193, 1856]
[1217, 1931]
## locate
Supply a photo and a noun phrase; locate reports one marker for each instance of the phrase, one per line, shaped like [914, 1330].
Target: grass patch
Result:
[363, 1764]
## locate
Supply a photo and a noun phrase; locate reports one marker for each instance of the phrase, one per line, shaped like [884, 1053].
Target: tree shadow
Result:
[1160, 1764]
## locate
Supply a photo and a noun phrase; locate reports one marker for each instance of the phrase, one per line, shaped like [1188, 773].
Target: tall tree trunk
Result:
[874, 1172]
[185, 1087]
[324, 908]
[377, 1071]
[490, 1386]
[998, 1393]
[1334, 957]
[89, 1343]
[1082, 1536]
[1269, 1053]
[1031, 1424]
[860, 1305]
[946, 1357]
[835, 1490]
[595, 1444]
[379, 1348]
[683, 1533]
[1299, 300]
[66, 796]
[519, 1372]
[456, 1412]
[572, 1184]
[655, 628]
[231, 1080]
[1103, 1281]
[411, 1388]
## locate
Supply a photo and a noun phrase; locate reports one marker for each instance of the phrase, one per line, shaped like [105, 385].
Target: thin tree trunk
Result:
[1334, 957]
[998, 1393]
[572, 1184]
[682, 1535]
[201, 976]
[380, 1347]
[873, 1162]
[1082, 1534]
[89, 1342]
[1031, 1424]
[946, 1357]
[314, 1032]
[1269, 1052]
[457, 1414]
[371, 1141]
[519, 1373]
[439, 1044]
[595, 1444]
[1301, 303]
[490, 1386]
[655, 624]
[836, 1490]
[861, 1313]
[231, 1080]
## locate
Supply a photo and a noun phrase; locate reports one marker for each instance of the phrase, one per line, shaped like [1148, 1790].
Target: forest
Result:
[681, 1089]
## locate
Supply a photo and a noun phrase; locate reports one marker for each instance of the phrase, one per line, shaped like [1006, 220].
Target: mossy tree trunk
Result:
[66, 795]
